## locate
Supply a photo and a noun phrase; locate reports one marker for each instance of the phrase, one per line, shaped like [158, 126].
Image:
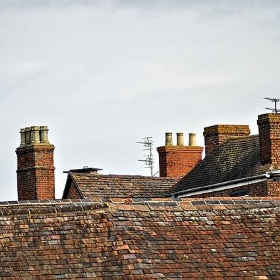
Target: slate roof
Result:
[94, 185]
[216, 238]
[235, 159]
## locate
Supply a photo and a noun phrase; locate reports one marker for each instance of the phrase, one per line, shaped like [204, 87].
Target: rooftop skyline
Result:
[104, 74]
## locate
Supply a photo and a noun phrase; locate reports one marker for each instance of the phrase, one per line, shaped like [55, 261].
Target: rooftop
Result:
[237, 158]
[163, 238]
[98, 186]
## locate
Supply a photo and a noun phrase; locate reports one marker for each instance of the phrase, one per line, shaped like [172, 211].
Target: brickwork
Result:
[176, 161]
[217, 134]
[73, 192]
[35, 169]
[269, 133]
[273, 187]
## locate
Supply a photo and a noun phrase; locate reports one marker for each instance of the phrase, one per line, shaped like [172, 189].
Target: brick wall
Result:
[35, 172]
[217, 134]
[273, 187]
[73, 193]
[176, 161]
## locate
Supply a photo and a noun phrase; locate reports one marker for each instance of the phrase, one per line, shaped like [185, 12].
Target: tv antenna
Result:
[149, 159]
[275, 100]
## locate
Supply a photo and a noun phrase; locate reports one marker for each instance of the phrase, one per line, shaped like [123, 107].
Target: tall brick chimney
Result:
[269, 135]
[217, 134]
[35, 165]
[176, 161]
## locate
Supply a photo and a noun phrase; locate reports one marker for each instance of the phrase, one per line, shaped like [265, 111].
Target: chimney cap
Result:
[85, 169]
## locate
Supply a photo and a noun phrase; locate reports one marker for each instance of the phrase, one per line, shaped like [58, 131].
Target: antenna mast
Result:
[149, 159]
[275, 100]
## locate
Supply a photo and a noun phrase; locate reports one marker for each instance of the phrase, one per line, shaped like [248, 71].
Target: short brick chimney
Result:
[269, 135]
[177, 161]
[35, 165]
[217, 134]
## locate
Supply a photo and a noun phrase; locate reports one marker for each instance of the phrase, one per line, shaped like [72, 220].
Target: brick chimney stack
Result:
[269, 135]
[177, 161]
[35, 165]
[217, 134]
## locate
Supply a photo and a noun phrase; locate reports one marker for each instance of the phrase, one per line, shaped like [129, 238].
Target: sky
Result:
[102, 75]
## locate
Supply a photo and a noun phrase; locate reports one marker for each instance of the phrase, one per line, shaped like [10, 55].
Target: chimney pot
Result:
[22, 137]
[168, 139]
[35, 137]
[27, 135]
[44, 134]
[192, 139]
[180, 139]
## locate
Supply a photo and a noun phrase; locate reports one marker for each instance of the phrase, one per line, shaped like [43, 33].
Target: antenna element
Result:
[149, 159]
[275, 100]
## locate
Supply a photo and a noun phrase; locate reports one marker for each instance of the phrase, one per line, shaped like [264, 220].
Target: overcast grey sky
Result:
[103, 74]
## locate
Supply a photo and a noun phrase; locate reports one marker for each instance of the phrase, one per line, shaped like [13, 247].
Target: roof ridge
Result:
[122, 176]
[23, 209]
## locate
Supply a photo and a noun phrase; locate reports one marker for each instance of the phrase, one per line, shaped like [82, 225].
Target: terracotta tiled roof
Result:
[236, 158]
[217, 238]
[92, 185]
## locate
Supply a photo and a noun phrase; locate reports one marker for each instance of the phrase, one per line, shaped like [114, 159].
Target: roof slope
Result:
[236, 158]
[92, 185]
[190, 239]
